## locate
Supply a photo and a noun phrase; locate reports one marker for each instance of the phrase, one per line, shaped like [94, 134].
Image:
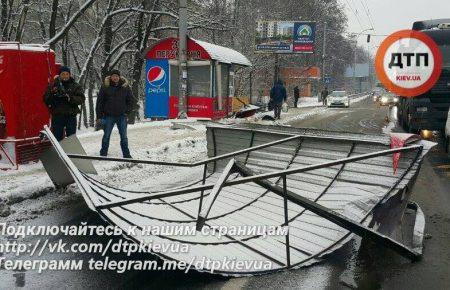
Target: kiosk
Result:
[25, 72]
[210, 75]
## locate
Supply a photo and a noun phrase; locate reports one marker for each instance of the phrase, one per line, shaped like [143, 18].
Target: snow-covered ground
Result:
[27, 192]
[150, 140]
[293, 114]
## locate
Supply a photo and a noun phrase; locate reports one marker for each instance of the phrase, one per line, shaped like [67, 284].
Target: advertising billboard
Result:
[157, 88]
[285, 36]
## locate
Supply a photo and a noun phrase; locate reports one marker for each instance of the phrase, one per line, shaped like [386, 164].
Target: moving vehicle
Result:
[388, 99]
[338, 99]
[429, 111]
[377, 93]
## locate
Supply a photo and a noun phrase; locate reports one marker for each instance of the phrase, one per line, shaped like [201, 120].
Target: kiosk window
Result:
[199, 81]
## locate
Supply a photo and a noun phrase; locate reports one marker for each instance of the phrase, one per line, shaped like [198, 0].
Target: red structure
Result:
[25, 72]
[304, 77]
[210, 75]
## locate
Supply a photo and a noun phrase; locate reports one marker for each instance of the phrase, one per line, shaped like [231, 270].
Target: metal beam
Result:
[255, 178]
[333, 216]
[152, 162]
[194, 164]
[214, 194]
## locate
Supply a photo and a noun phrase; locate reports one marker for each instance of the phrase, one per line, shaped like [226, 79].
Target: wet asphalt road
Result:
[359, 264]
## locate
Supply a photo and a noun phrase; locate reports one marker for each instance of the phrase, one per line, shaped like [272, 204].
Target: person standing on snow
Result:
[278, 95]
[323, 95]
[63, 98]
[114, 102]
[296, 96]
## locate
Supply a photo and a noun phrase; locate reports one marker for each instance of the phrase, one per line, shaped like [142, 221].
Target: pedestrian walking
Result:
[278, 96]
[296, 96]
[114, 102]
[63, 98]
[324, 95]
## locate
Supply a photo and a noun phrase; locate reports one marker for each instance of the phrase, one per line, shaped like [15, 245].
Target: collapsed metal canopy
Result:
[323, 185]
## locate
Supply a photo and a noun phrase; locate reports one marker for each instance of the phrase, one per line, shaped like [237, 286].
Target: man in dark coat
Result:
[296, 95]
[323, 95]
[114, 102]
[278, 95]
[63, 98]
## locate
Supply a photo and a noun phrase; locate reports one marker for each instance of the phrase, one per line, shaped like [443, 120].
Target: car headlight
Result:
[396, 99]
[384, 99]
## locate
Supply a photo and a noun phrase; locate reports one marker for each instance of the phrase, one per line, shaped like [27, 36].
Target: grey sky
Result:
[389, 16]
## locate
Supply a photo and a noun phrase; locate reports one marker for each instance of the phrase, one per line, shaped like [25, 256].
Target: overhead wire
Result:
[367, 11]
[354, 13]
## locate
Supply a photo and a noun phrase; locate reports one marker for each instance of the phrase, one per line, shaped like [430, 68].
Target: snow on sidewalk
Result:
[31, 186]
[148, 140]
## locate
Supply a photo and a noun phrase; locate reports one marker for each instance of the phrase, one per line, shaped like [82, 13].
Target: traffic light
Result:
[368, 38]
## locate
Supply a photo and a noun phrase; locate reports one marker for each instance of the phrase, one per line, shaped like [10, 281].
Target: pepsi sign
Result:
[156, 76]
[157, 89]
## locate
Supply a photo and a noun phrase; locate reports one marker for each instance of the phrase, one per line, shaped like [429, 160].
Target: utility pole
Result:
[182, 60]
[324, 54]
[277, 69]
[354, 64]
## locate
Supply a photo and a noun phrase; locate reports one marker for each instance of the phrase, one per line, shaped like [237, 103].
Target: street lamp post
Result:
[324, 53]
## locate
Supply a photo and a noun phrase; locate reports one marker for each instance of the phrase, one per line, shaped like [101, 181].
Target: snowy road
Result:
[358, 264]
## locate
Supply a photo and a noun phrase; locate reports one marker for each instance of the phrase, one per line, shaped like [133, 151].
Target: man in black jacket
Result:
[296, 96]
[114, 102]
[278, 95]
[63, 98]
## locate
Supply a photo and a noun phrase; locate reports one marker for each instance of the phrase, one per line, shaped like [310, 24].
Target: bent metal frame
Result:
[108, 201]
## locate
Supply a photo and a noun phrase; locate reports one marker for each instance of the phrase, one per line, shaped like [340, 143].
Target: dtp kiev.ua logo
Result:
[408, 63]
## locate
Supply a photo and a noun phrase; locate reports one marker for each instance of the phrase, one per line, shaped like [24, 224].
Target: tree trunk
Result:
[4, 22]
[22, 19]
[141, 44]
[91, 102]
[52, 25]
[108, 39]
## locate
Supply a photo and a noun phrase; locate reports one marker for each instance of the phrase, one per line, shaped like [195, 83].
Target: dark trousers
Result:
[64, 123]
[295, 102]
[108, 125]
[277, 110]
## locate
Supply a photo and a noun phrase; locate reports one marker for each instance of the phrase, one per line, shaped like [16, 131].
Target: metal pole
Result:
[182, 60]
[354, 64]
[286, 221]
[251, 87]
[369, 62]
[275, 75]
[324, 52]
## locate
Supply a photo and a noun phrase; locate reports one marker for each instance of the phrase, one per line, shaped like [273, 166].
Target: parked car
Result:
[338, 99]
[388, 99]
[447, 133]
